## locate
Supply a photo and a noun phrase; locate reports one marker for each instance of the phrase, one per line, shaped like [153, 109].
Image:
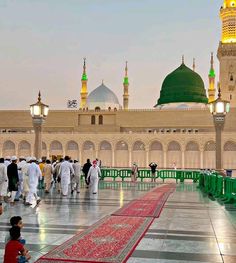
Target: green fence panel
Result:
[125, 173]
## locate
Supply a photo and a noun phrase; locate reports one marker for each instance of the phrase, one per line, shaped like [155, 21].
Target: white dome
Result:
[103, 98]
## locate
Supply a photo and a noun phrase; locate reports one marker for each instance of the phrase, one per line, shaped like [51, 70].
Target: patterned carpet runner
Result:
[114, 238]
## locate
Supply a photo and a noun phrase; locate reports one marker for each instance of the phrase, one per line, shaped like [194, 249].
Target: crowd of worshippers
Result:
[21, 179]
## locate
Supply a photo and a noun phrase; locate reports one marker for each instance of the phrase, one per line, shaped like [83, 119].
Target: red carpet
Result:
[112, 240]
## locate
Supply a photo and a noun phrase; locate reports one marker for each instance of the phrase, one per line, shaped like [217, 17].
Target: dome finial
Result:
[102, 81]
[126, 68]
[194, 64]
[182, 59]
[84, 72]
[39, 97]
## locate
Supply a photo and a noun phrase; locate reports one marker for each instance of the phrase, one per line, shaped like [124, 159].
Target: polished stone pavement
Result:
[191, 228]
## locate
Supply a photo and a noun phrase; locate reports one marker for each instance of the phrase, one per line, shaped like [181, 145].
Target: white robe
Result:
[34, 174]
[65, 172]
[93, 174]
[25, 176]
[20, 175]
[3, 180]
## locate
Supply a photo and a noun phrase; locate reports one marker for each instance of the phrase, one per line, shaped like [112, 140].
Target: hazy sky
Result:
[43, 42]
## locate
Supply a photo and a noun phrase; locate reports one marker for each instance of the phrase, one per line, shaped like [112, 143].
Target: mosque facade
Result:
[179, 131]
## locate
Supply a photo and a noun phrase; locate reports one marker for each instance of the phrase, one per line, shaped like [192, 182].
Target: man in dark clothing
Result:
[85, 170]
[13, 179]
[153, 167]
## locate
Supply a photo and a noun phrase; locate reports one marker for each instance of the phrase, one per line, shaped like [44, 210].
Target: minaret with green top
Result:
[126, 89]
[211, 75]
[84, 90]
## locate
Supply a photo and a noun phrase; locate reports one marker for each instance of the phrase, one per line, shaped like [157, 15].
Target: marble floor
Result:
[191, 228]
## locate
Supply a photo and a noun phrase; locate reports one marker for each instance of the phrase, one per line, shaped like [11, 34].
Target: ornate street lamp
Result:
[219, 108]
[39, 112]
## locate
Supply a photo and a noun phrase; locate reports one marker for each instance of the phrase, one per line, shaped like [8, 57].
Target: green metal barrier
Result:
[168, 174]
[143, 174]
[112, 173]
[222, 188]
[124, 173]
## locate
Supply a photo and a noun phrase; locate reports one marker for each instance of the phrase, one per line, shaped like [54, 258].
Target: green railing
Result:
[220, 187]
[124, 174]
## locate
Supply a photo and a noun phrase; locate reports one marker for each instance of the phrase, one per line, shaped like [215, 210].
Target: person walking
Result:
[57, 175]
[13, 179]
[85, 170]
[153, 167]
[48, 172]
[75, 184]
[93, 177]
[20, 186]
[41, 166]
[3, 180]
[134, 172]
[35, 175]
[25, 175]
[65, 172]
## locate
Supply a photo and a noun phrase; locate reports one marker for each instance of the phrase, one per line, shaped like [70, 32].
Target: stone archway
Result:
[138, 154]
[174, 158]
[229, 155]
[72, 149]
[121, 154]
[56, 149]
[105, 153]
[192, 155]
[88, 151]
[9, 148]
[209, 155]
[24, 149]
[156, 153]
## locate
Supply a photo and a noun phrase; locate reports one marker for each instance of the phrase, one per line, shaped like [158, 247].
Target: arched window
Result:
[192, 147]
[139, 146]
[100, 120]
[105, 145]
[88, 145]
[122, 146]
[156, 146]
[9, 145]
[97, 109]
[24, 145]
[56, 145]
[72, 146]
[210, 146]
[174, 146]
[44, 146]
[93, 120]
[230, 146]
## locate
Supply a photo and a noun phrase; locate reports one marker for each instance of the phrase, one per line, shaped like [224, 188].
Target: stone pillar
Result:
[219, 121]
[201, 159]
[183, 159]
[130, 158]
[165, 159]
[37, 123]
[113, 158]
[147, 158]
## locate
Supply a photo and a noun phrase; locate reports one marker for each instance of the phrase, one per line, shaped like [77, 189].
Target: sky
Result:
[43, 43]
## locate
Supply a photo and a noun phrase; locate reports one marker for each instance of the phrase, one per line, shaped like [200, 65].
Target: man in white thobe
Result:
[25, 176]
[75, 184]
[34, 174]
[3, 180]
[20, 175]
[93, 175]
[66, 172]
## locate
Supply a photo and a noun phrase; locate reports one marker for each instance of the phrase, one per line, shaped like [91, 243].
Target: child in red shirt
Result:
[14, 249]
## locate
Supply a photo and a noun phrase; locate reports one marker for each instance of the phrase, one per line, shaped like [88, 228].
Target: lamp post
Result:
[39, 112]
[219, 108]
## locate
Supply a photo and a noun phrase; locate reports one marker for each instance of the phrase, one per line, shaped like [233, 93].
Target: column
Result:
[80, 155]
[218, 148]
[183, 159]
[130, 157]
[37, 122]
[165, 159]
[113, 158]
[147, 158]
[201, 159]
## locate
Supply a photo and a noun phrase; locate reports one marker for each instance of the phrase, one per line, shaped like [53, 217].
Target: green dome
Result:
[182, 85]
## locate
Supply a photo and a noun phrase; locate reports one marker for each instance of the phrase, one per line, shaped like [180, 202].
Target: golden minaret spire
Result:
[126, 88]
[84, 89]
[211, 75]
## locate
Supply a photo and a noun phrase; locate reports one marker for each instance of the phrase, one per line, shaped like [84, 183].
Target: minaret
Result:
[84, 90]
[126, 89]
[211, 75]
[227, 51]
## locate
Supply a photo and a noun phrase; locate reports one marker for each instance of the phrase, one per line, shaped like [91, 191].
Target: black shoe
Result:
[38, 201]
[16, 200]
[72, 191]
[94, 193]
